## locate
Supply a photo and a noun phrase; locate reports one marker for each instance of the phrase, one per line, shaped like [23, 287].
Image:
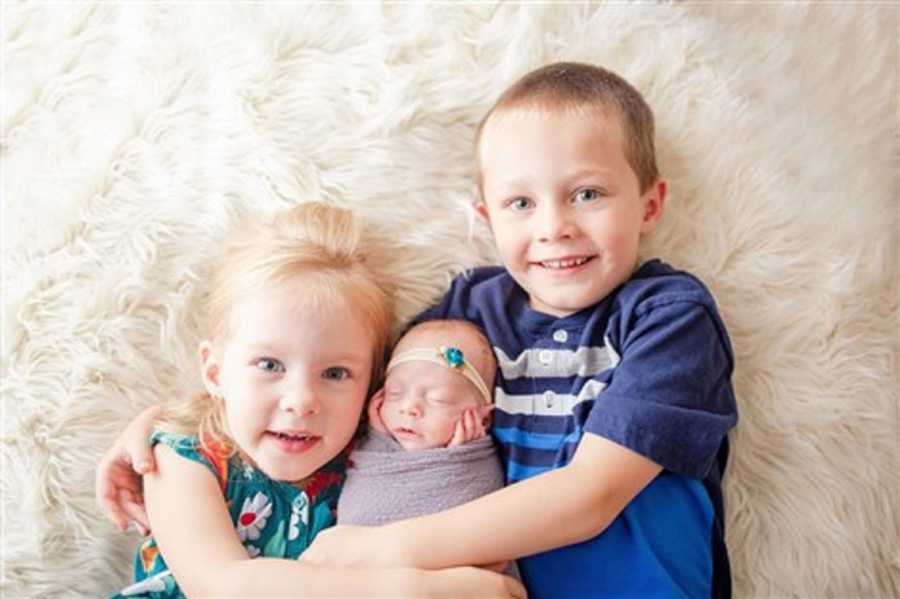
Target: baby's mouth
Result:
[406, 432]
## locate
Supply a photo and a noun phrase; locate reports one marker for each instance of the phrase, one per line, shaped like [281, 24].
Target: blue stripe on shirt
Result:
[516, 436]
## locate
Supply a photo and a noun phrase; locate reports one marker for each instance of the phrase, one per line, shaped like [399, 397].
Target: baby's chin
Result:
[416, 444]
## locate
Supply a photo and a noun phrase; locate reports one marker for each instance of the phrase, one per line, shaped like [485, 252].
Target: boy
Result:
[426, 449]
[613, 397]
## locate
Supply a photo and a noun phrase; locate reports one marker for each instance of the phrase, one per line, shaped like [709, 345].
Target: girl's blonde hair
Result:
[339, 262]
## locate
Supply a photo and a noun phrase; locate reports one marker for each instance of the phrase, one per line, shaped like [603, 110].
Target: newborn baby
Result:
[426, 449]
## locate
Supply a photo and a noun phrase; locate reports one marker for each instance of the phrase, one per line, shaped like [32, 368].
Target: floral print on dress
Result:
[299, 514]
[254, 515]
[271, 518]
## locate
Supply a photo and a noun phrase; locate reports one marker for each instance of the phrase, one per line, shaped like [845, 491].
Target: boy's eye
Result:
[520, 203]
[587, 195]
[336, 373]
[270, 365]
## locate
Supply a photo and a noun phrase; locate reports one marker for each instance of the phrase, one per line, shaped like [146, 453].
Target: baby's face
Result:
[423, 402]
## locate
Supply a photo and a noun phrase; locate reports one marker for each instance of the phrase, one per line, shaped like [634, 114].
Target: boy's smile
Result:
[563, 203]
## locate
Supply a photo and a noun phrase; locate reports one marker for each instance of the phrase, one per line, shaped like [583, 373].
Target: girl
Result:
[299, 323]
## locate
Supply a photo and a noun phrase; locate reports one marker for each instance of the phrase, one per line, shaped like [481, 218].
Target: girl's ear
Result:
[209, 369]
[654, 201]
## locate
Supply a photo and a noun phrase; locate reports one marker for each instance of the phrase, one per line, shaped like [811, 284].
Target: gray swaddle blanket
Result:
[386, 483]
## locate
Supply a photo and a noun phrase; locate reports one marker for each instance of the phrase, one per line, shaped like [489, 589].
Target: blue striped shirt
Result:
[648, 367]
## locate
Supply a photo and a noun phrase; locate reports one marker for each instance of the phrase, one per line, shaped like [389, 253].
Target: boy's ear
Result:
[654, 201]
[209, 369]
[482, 211]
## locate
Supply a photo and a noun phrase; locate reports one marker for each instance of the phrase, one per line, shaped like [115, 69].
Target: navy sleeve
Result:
[670, 397]
[461, 301]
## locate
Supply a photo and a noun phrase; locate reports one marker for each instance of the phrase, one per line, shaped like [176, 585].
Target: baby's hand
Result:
[468, 428]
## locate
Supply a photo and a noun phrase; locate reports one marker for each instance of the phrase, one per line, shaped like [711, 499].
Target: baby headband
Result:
[449, 357]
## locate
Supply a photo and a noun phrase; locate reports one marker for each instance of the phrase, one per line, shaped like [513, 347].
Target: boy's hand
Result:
[118, 488]
[346, 545]
[374, 412]
[468, 428]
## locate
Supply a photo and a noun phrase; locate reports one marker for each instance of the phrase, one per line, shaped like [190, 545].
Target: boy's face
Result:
[424, 401]
[563, 203]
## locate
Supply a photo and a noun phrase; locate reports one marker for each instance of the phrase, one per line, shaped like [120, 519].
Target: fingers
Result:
[478, 430]
[515, 588]
[133, 507]
[459, 434]
[140, 455]
[136, 442]
[497, 567]
[468, 428]
[109, 504]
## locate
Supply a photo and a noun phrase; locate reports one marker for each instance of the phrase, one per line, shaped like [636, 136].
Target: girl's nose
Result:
[299, 398]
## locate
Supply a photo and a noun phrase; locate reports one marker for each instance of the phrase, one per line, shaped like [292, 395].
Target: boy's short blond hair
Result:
[575, 86]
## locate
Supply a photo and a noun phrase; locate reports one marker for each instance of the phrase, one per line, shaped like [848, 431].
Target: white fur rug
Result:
[135, 134]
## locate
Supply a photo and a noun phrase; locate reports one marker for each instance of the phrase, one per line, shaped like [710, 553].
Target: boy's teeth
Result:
[569, 263]
[294, 437]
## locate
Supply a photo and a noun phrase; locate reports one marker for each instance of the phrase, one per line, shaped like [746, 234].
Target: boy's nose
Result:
[553, 222]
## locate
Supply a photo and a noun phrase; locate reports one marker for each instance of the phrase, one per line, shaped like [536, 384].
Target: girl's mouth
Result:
[293, 442]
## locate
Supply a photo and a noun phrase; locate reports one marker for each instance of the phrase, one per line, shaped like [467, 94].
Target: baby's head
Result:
[299, 324]
[568, 183]
[438, 370]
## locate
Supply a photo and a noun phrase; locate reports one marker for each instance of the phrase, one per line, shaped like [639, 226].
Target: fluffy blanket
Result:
[386, 483]
[135, 134]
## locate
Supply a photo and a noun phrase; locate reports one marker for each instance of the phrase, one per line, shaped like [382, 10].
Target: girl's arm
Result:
[561, 507]
[199, 543]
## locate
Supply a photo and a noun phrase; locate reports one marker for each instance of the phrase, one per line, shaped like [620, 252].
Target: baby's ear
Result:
[486, 415]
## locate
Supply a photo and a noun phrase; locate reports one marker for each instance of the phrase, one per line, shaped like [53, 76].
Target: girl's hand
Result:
[468, 428]
[118, 489]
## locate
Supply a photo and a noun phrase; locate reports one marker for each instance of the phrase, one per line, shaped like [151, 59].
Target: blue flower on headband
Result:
[453, 356]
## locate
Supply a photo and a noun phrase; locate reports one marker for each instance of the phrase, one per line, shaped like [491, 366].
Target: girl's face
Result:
[294, 380]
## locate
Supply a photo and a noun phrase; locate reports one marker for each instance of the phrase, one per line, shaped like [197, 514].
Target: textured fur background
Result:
[135, 134]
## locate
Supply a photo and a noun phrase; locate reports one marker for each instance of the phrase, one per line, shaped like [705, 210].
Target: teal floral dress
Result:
[271, 518]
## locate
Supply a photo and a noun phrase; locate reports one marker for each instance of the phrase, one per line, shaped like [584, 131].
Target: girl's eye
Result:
[336, 373]
[587, 195]
[520, 203]
[270, 365]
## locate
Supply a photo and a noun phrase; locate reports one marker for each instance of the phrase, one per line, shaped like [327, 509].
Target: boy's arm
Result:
[207, 559]
[117, 482]
[556, 508]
